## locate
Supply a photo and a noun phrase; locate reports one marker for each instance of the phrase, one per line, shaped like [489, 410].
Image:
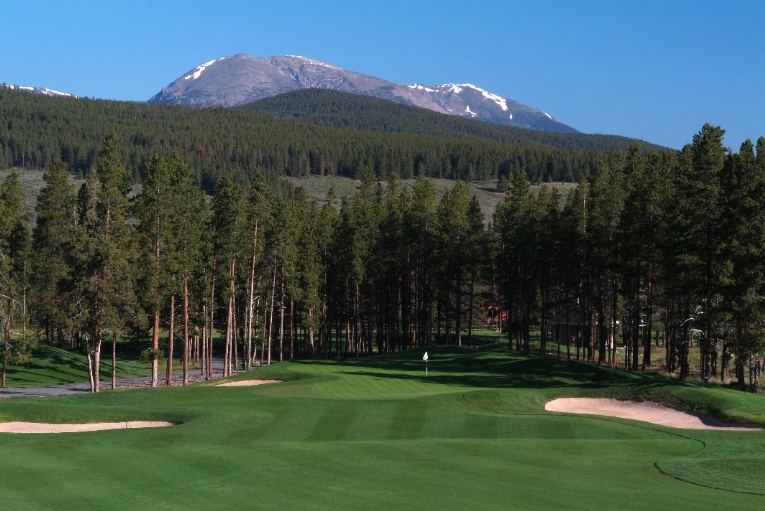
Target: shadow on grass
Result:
[496, 367]
[51, 366]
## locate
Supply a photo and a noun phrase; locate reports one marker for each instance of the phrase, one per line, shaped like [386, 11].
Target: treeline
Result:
[670, 243]
[279, 278]
[36, 129]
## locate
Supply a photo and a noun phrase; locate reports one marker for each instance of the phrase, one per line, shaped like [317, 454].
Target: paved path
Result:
[68, 389]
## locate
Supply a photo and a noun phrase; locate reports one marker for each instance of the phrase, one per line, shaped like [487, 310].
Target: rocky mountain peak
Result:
[239, 79]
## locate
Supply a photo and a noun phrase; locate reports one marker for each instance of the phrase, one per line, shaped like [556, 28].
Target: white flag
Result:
[425, 356]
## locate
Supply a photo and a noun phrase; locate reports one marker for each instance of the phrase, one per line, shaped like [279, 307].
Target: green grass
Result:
[376, 433]
[53, 366]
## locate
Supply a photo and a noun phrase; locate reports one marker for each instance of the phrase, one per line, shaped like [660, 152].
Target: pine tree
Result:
[106, 253]
[14, 253]
[421, 236]
[153, 209]
[453, 229]
[698, 219]
[514, 256]
[186, 221]
[228, 207]
[51, 269]
[604, 213]
[477, 251]
[742, 266]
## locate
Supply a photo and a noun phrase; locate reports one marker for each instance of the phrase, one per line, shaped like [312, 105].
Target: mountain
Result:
[241, 79]
[36, 90]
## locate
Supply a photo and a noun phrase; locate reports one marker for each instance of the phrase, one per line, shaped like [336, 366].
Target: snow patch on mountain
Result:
[499, 100]
[37, 90]
[417, 86]
[198, 71]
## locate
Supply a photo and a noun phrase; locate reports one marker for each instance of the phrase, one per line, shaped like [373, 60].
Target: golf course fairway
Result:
[378, 434]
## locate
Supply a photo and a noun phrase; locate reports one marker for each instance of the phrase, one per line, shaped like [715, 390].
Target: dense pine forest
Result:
[214, 142]
[343, 110]
[667, 244]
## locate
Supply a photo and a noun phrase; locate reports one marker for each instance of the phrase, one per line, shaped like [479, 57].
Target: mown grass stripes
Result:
[376, 434]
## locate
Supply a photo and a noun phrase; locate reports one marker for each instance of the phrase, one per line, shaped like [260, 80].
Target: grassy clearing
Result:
[53, 366]
[31, 183]
[376, 432]
[486, 193]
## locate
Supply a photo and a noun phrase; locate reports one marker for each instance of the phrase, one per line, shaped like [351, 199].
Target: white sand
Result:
[645, 411]
[35, 427]
[246, 383]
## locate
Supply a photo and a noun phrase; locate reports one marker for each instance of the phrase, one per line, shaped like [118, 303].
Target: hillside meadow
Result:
[488, 197]
[378, 433]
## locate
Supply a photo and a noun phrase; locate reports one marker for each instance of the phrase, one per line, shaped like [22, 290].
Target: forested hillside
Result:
[345, 110]
[215, 142]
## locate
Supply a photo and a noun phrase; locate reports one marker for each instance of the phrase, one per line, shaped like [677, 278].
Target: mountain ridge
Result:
[240, 79]
[37, 90]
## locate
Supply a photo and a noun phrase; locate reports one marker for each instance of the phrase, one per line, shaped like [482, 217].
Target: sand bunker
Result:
[36, 427]
[643, 411]
[247, 383]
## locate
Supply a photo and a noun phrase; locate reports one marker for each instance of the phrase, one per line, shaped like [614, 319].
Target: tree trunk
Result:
[292, 328]
[204, 342]
[281, 314]
[251, 305]
[97, 361]
[90, 367]
[155, 350]
[114, 360]
[230, 320]
[271, 317]
[155, 333]
[649, 311]
[185, 280]
[210, 339]
[170, 342]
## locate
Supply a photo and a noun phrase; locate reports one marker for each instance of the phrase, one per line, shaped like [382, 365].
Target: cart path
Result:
[69, 389]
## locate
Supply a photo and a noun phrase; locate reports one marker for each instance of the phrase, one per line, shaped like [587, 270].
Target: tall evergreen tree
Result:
[14, 253]
[604, 213]
[153, 208]
[455, 243]
[742, 274]
[699, 209]
[107, 253]
[421, 237]
[514, 256]
[51, 269]
[228, 208]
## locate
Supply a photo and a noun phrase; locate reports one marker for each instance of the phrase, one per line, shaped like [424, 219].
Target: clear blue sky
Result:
[656, 70]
